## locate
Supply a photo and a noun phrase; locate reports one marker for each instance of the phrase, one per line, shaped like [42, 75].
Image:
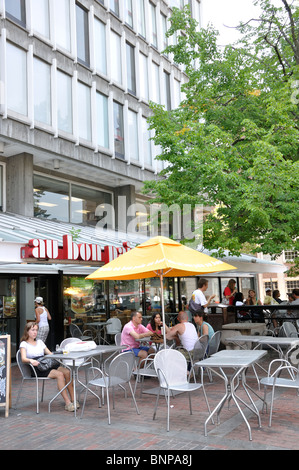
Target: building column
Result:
[19, 184]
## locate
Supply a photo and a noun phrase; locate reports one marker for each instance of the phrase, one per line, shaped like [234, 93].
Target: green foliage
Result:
[233, 143]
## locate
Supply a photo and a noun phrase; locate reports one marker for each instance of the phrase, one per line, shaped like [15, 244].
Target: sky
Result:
[229, 13]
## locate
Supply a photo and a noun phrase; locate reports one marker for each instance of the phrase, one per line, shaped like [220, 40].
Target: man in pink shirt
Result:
[133, 331]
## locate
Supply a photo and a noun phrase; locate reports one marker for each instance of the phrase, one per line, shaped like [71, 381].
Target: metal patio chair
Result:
[29, 374]
[274, 380]
[119, 372]
[171, 369]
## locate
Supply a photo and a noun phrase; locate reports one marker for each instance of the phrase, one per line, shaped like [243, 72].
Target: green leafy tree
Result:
[233, 143]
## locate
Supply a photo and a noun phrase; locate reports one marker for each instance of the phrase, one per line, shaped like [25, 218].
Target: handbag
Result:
[46, 363]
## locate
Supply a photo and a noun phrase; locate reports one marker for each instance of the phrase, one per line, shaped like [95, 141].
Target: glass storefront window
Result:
[8, 311]
[84, 300]
[84, 202]
[51, 199]
[125, 297]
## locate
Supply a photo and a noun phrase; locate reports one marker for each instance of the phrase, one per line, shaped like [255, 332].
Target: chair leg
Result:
[37, 398]
[135, 403]
[108, 406]
[156, 405]
[190, 406]
[168, 409]
[43, 388]
[271, 408]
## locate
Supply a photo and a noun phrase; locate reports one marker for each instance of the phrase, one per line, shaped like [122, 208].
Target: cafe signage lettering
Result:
[70, 251]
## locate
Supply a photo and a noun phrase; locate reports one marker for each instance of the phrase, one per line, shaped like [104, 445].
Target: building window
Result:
[64, 102]
[17, 80]
[100, 46]
[15, 9]
[154, 39]
[144, 74]
[40, 17]
[114, 6]
[164, 31]
[82, 35]
[292, 285]
[167, 102]
[129, 13]
[84, 114]
[155, 88]
[102, 121]
[289, 256]
[42, 91]
[118, 117]
[133, 135]
[141, 19]
[84, 203]
[62, 24]
[270, 285]
[67, 202]
[51, 199]
[116, 72]
[131, 74]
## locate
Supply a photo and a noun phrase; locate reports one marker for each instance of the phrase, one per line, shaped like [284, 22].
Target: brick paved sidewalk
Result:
[60, 430]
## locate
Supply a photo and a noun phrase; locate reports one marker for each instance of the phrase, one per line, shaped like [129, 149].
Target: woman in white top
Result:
[42, 316]
[31, 349]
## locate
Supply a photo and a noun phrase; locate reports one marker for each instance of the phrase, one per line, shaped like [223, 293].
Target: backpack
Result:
[194, 307]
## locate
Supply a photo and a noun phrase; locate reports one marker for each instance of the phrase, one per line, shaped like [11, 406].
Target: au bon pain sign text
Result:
[49, 250]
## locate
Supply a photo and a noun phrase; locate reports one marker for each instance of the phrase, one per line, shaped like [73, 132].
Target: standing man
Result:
[134, 330]
[199, 297]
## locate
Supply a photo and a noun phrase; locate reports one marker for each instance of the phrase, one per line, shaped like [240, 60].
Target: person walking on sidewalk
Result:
[42, 316]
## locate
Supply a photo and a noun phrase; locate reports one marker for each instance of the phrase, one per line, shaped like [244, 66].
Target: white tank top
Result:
[189, 337]
[43, 318]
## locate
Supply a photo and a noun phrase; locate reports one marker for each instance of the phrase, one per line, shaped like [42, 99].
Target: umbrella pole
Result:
[162, 307]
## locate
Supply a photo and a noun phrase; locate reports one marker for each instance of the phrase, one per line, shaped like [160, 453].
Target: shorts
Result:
[136, 350]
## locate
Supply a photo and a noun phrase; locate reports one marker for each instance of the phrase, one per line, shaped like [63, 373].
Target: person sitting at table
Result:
[184, 334]
[32, 348]
[257, 315]
[134, 331]
[238, 302]
[276, 296]
[204, 328]
[268, 299]
[155, 325]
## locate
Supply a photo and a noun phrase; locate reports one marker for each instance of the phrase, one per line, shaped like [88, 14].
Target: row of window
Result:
[52, 97]
[143, 17]
[130, 69]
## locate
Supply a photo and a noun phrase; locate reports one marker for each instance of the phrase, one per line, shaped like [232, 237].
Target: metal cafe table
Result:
[82, 355]
[239, 361]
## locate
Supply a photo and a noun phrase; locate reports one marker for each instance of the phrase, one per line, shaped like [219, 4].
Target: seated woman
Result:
[242, 315]
[204, 328]
[31, 349]
[156, 324]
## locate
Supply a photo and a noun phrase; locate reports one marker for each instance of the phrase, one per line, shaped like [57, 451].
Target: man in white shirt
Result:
[184, 333]
[199, 297]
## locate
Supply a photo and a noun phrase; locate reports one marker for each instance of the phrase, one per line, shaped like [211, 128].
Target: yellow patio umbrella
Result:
[159, 257]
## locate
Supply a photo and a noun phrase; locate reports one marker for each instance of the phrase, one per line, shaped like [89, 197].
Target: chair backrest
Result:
[117, 339]
[75, 331]
[214, 343]
[67, 341]
[170, 365]
[113, 325]
[25, 369]
[121, 367]
[200, 348]
[289, 329]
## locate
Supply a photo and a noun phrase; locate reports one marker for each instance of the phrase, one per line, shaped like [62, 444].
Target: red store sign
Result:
[70, 251]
